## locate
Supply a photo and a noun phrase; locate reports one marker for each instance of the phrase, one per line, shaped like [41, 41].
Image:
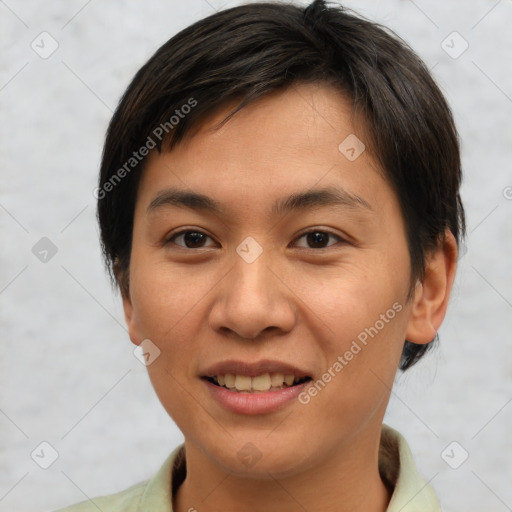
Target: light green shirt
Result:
[397, 468]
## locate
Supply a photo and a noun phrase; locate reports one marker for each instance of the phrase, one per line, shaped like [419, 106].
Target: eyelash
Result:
[171, 239]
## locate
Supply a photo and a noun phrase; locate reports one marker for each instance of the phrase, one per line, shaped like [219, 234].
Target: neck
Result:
[348, 480]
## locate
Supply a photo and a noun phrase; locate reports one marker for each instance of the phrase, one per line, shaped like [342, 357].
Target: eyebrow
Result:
[308, 199]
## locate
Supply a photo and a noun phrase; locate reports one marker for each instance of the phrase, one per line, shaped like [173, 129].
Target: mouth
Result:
[262, 376]
[263, 383]
[256, 388]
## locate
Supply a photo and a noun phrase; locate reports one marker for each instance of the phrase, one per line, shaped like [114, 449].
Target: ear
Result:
[432, 294]
[129, 313]
[131, 320]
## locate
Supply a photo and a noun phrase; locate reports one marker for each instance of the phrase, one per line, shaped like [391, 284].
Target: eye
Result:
[188, 239]
[316, 239]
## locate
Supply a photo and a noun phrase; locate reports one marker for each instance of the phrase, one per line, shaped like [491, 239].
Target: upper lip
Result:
[234, 367]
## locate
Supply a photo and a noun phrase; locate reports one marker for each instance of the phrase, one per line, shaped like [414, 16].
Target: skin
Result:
[296, 302]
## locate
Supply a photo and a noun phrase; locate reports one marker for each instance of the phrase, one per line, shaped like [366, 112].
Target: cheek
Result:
[164, 298]
[370, 327]
[353, 296]
[171, 305]
[362, 310]
[167, 305]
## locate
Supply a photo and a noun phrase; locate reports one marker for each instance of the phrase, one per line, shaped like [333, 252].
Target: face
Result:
[293, 261]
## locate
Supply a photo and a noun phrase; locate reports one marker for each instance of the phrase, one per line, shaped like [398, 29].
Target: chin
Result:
[260, 458]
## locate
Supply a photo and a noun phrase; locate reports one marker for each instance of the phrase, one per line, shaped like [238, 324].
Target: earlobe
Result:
[432, 294]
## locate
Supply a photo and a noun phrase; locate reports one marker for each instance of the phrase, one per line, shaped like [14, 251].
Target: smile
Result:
[254, 388]
[258, 384]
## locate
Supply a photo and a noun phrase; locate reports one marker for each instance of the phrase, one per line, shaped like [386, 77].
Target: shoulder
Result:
[151, 495]
[124, 501]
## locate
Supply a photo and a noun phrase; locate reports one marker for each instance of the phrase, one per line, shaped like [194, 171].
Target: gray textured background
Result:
[67, 372]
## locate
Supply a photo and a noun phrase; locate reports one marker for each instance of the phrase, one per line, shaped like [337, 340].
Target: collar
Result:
[411, 493]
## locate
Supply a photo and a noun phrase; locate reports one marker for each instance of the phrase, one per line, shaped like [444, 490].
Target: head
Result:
[250, 106]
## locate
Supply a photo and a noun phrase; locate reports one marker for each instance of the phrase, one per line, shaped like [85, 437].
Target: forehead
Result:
[288, 141]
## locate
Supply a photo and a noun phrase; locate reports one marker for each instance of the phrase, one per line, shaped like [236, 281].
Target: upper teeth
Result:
[259, 383]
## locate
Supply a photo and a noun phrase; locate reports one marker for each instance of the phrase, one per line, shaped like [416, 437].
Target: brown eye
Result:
[189, 239]
[319, 239]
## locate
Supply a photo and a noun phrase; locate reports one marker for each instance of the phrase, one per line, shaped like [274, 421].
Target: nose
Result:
[252, 299]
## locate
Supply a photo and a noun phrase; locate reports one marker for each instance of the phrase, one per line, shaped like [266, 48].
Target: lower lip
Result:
[254, 403]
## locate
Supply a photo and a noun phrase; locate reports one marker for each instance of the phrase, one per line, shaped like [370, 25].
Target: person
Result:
[279, 206]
